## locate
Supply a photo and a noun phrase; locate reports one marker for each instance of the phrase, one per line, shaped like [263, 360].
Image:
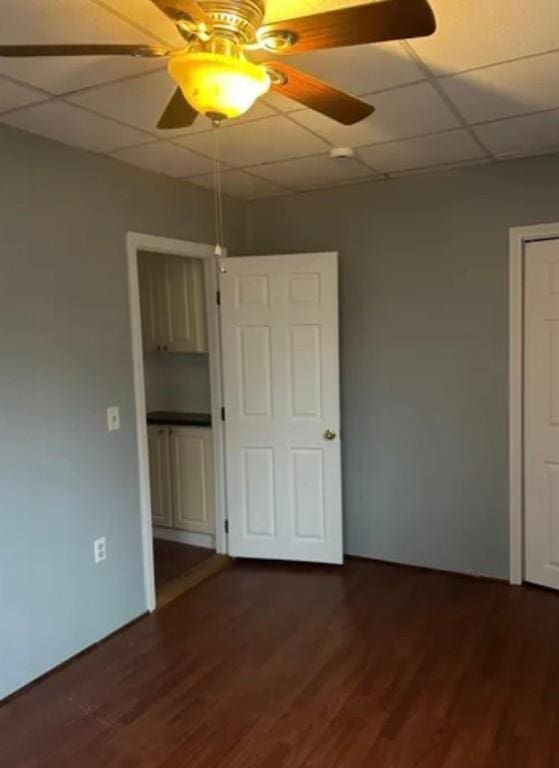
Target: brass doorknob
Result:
[330, 435]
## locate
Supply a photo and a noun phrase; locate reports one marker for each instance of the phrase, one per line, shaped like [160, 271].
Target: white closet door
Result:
[541, 409]
[281, 382]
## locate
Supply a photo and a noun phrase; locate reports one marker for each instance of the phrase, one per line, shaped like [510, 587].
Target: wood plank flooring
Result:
[279, 666]
[173, 560]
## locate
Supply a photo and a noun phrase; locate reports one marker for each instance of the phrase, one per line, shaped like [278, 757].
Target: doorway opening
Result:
[177, 381]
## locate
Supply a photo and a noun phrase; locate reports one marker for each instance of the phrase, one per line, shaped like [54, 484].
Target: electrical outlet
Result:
[99, 550]
[113, 418]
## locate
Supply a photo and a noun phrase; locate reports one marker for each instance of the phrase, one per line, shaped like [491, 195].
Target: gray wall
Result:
[64, 357]
[177, 382]
[424, 304]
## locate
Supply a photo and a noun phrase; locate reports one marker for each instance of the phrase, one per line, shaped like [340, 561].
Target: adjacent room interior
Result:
[279, 387]
[178, 404]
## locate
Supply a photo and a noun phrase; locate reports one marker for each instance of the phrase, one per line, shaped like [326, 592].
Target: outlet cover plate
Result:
[100, 550]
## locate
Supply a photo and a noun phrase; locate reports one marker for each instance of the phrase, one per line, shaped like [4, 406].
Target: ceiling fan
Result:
[215, 77]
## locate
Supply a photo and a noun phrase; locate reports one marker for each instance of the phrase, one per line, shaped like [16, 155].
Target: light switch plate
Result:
[113, 418]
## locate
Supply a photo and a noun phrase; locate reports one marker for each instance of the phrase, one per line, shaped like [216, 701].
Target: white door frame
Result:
[139, 242]
[519, 238]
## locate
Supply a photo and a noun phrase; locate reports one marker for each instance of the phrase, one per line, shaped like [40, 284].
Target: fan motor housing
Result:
[241, 18]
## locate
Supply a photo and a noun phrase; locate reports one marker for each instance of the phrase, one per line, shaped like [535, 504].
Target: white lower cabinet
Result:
[182, 478]
[160, 476]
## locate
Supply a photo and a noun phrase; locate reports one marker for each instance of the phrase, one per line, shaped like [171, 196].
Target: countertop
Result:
[180, 419]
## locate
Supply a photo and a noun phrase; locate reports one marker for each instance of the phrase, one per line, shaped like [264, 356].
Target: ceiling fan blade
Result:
[317, 95]
[370, 23]
[179, 10]
[145, 51]
[179, 113]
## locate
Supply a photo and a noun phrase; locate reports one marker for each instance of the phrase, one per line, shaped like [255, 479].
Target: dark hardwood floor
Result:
[278, 666]
[172, 560]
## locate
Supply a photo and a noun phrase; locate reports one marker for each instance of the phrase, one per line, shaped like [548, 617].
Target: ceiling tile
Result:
[422, 152]
[313, 171]
[68, 21]
[261, 141]
[140, 102]
[361, 69]
[480, 32]
[71, 125]
[408, 111]
[13, 96]
[514, 88]
[146, 16]
[521, 135]
[165, 158]
[438, 169]
[239, 184]
[289, 9]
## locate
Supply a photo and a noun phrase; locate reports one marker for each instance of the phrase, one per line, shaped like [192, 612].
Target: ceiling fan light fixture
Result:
[218, 85]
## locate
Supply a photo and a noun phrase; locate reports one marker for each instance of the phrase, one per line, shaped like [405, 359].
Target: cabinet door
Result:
[160, 476]
[154, 303]
[193, 479]
[186, 320]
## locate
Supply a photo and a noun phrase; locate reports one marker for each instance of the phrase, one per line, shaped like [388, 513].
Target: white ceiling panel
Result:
[140, 102]
[145, 15]
[521, 135]
[445, 148]
[68, 21]
[362, 69]
[274, 138]
[513, 88]
[475, 33]
[310, 172]
[13, 95]
[239, 184]
[495, 60]
[288, 9]
[168, 159]
[408, 111]
[71, 125]
[438, 169]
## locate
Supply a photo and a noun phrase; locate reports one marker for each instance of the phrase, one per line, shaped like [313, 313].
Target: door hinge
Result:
[227, 526]
[223, 413]
[218, 298]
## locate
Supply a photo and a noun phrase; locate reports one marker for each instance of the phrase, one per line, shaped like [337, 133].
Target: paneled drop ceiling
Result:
[483, 88]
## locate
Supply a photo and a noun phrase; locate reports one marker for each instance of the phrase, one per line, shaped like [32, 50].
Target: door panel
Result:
[160, 476]
[193, 479]
[149, 300]
[541, 413]
[184, 288]
[281, 380]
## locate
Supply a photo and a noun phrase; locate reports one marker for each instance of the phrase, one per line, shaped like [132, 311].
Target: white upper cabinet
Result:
[173, 303]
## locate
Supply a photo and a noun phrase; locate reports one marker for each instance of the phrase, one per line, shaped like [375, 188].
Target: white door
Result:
[193, 479]
[279, 318]
[541, 413]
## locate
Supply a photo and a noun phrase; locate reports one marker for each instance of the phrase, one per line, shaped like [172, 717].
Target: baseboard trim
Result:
[427, 569]
[204, 540]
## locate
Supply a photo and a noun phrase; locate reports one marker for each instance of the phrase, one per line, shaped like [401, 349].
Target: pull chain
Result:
[218, 194]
